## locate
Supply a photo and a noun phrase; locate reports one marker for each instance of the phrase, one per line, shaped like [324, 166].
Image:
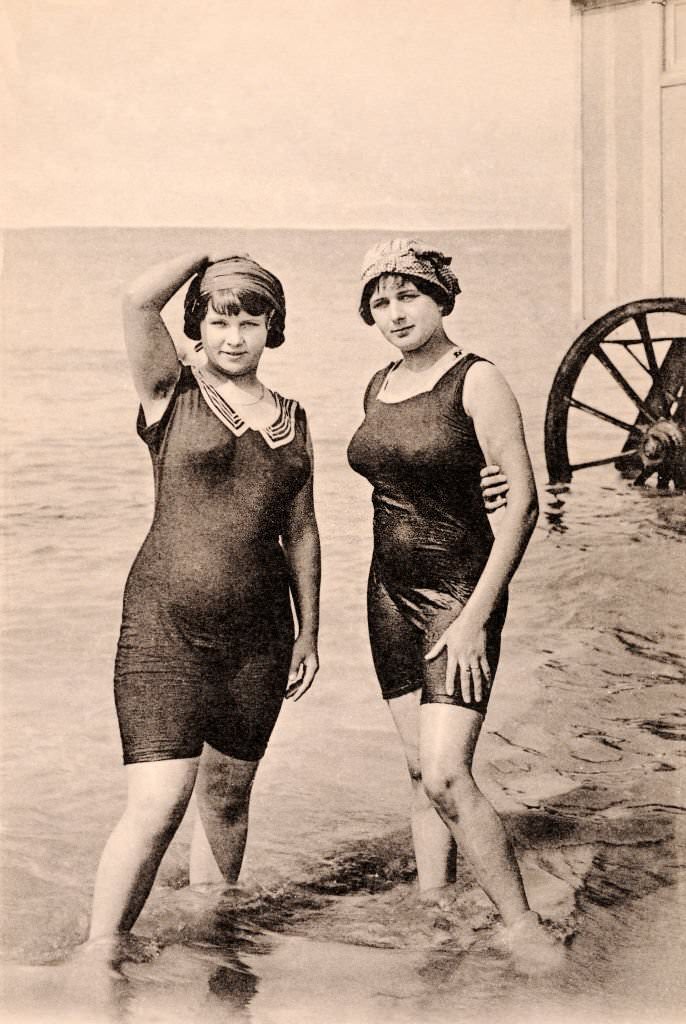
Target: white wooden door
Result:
[674, 150]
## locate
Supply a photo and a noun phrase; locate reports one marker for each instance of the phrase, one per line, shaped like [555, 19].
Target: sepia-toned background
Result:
[302, 132]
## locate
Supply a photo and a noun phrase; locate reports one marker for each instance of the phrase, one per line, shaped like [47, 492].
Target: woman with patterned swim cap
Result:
[437, 592]
[207, 650]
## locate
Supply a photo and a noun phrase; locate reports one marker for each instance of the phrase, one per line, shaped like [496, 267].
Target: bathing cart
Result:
[619, 394]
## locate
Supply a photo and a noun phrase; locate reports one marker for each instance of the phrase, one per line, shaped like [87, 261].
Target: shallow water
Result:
[583, 750]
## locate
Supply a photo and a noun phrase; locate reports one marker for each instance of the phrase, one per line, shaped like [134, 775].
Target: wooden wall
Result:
[630, 202]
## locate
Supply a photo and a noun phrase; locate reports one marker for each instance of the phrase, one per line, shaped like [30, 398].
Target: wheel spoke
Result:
[576, 403]
[603, 358]
[604, 462]
[629, 351]
[659, 383]
[637, 341]
[642, 324]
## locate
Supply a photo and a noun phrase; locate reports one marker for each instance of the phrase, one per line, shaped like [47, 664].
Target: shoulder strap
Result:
[375, 383]
[458, 376]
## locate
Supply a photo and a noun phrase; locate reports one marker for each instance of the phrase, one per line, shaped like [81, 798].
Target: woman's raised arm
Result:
[152, 355]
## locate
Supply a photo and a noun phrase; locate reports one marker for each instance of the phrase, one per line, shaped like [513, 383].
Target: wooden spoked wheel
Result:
[618, 397]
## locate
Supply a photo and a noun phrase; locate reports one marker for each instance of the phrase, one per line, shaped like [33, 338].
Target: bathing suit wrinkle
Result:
[432, 537]
[207, 627]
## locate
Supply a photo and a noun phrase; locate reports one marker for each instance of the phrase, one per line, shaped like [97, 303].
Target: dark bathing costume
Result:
[432, 537]
[207, 630]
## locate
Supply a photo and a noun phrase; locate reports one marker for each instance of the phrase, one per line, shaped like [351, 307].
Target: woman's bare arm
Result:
[498, 424]
[301, 543]
[152, 356]
[497, 420]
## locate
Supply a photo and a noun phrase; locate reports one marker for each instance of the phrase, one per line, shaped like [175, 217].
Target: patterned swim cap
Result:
[412, 258]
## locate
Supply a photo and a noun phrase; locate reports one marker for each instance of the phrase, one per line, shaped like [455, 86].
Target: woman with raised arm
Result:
[437, 594]
[207, 651]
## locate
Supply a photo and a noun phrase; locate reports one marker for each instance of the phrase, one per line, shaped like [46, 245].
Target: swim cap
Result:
[412, 258]
[243, 272]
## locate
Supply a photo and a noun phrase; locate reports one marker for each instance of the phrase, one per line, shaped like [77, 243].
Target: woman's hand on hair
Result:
[494, 488]
[467, 670]
[304, 667]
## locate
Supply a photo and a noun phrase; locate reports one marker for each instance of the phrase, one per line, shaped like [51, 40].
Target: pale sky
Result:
[288, 113]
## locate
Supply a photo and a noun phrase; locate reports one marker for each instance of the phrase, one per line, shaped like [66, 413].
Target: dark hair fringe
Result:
[229, 302]
[444, 301]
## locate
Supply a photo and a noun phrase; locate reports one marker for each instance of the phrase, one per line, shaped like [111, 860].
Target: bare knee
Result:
[420, 799]
[156, 817]
[448, 789]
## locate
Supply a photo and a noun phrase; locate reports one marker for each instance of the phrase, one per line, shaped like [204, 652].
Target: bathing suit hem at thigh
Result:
[240, 753]
[400, 691]
[457, 702]
[246, 752]
[225, 753]
[163, 754]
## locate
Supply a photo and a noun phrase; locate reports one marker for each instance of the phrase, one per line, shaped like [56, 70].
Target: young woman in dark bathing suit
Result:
[437, 595]
[207, 650]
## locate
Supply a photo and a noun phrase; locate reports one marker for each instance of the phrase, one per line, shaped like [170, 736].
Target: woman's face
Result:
[405, 316]
[233, 343]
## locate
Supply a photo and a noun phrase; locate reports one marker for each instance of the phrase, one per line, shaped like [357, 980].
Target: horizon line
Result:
[276, 227]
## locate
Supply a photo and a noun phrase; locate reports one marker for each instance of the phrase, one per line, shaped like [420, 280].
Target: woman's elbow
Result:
[308, 534]
[293, 535]
[130, 300]
[524, 510]
[135, 301]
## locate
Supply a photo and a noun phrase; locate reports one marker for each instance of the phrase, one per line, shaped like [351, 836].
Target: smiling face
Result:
[233, 342]
[405, 316]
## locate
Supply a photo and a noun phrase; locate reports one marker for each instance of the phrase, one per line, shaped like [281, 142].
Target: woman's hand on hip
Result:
[464, 642]
[304, 667]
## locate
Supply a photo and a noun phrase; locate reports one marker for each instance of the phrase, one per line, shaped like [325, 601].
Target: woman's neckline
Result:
[274, 432]
[232, 393]
[441, 367]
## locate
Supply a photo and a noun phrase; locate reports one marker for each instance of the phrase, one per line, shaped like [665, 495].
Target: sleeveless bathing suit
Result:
[207, 629]
[432, 537]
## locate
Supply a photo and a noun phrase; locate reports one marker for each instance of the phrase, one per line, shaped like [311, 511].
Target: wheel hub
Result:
[663, 444]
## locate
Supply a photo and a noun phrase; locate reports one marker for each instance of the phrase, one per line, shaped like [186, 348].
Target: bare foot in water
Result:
[533, 949]
[442, 897]
[112, 951]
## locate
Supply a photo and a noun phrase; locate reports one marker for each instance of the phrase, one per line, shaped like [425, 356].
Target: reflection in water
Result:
[235, 985]
[553, 508]
[663, 508]
[368, 952]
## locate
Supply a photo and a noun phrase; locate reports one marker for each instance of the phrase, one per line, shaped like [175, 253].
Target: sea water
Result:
[583, 748]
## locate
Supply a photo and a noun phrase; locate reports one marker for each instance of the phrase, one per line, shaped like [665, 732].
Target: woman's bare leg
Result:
[434, 846]
[448, 736]
[221, 827]
[203, 868]
[158, 794]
